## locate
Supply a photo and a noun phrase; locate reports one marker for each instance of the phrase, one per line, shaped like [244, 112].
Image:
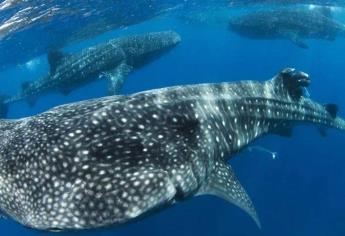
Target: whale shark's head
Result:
[141, 49]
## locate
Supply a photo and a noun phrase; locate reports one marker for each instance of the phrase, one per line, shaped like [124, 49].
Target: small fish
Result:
[107, 161]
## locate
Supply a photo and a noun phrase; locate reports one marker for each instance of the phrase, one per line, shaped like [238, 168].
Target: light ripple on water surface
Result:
[24, 22]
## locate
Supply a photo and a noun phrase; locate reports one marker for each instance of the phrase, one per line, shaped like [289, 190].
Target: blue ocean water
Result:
[300, 192]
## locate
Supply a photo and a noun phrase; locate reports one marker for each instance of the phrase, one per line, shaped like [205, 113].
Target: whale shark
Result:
[295, 25]
[107, 161]
[328, 3]
[112, 60]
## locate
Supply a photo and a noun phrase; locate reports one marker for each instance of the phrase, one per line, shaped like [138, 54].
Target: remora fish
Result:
[294, 25]
[107, 161]
[114, 59]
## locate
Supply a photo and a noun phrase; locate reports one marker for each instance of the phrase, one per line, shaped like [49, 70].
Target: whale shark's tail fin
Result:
[3, 106]
[224, 184]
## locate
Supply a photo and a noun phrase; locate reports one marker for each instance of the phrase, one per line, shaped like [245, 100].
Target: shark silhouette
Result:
[294, 25]
[112, 60]
[110, 160]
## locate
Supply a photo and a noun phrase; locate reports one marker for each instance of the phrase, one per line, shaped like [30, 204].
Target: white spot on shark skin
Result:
[238, 143]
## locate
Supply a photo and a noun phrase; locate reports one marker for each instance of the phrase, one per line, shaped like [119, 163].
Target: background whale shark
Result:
[112, 60]
[308, 2]
[110, 160]
[292, 24]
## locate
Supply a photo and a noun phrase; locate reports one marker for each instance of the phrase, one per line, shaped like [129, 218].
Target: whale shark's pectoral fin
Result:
[223, 183]
[298, 41]
[295, 38]
[116, 78]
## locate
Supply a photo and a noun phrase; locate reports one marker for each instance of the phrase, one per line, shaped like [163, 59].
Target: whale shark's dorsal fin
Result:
[224, 184]
[54, 59]
[332, 109]
[293, 37]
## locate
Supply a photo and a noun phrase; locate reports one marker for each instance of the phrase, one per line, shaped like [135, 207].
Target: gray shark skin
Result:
[107, 161]
[294, 25]
[114, 60]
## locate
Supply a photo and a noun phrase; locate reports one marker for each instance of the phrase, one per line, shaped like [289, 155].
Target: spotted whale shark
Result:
[109, 160]
[295, 25]
[112, 60]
